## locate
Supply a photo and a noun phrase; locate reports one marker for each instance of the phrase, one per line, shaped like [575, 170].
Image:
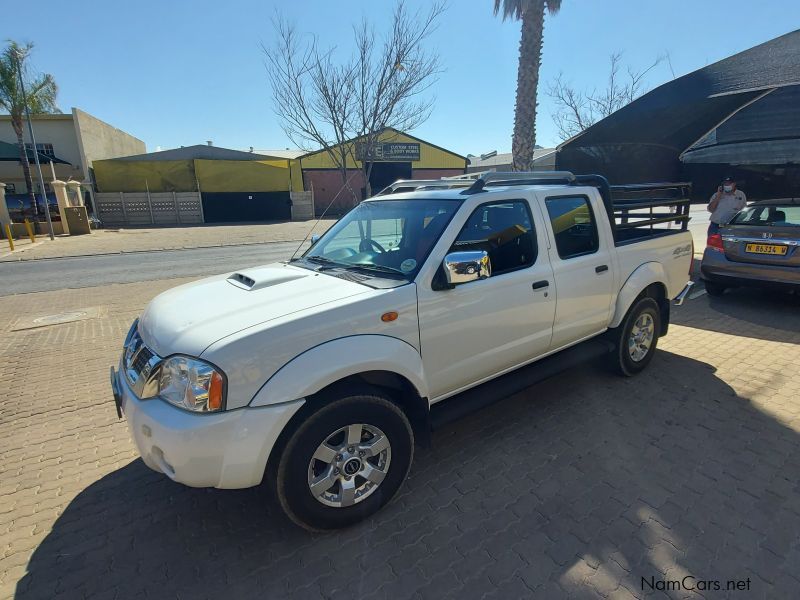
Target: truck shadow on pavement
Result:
[755, 313]
[586, 484]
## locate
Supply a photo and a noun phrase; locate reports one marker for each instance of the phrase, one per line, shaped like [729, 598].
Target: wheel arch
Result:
[647, 281]
[394, 386]
[387, 364]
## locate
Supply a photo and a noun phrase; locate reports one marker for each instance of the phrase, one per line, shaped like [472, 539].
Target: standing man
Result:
[725, 203]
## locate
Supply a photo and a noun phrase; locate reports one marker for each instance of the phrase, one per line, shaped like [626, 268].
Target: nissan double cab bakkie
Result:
[317, 375]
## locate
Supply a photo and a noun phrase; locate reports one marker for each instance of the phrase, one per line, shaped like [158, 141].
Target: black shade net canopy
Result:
[10, 153]
[646, 140]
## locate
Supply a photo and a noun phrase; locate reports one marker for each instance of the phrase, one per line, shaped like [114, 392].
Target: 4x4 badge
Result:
[766, 234]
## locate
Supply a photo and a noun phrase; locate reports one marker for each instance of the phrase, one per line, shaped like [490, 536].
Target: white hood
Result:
[189, 318]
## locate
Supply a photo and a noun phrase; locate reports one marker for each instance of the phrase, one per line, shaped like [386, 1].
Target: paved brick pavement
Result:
[578, 487]
[110, 241]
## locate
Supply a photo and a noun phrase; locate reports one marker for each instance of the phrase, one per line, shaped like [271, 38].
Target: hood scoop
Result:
[256, 279]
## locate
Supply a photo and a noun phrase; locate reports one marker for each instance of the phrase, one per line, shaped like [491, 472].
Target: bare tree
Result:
[577, 110]
[312, 96]
[324, 104]
[392, 76]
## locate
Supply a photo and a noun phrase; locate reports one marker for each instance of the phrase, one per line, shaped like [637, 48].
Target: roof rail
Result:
[467, 176]
[420, 183]
[520, 178]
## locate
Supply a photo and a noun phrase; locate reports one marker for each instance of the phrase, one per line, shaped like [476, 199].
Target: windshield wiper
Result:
[323, 260]
[381, 268]
[317, 258]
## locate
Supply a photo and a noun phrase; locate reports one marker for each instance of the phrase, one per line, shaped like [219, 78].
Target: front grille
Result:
[143, 357]
[140, 364]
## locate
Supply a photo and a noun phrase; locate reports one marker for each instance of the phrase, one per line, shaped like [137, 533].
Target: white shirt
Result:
[729, 204]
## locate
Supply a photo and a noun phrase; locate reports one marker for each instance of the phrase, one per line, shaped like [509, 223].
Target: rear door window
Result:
[574, 225]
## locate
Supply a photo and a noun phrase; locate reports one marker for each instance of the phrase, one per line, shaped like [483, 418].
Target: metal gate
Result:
[230, 207]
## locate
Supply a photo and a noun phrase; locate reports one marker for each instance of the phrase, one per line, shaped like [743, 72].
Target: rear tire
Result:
[345, 461]
[714, 289]
[636, 338]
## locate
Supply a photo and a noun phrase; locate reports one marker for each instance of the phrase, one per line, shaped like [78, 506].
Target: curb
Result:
[33, 245]
[3, 258]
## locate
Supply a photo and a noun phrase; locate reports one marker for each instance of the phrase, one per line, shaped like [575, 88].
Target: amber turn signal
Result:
[388, 316]
[215, 392]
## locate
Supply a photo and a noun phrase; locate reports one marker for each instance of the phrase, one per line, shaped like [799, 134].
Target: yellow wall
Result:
[141, 175]
[430, 157]
[247, 175]
[184, 175]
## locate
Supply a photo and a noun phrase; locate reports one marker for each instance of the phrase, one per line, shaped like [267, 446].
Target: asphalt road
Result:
[24, 277]
[89, 271]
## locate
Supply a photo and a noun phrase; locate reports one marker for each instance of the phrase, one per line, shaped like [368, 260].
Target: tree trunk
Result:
[26, 166]
[366, 167]
[530, 58]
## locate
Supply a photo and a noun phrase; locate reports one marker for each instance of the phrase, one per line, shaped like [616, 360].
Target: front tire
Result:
[635, 339]
[345, 461]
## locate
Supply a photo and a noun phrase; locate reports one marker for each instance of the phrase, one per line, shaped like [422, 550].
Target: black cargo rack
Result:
[634, 210]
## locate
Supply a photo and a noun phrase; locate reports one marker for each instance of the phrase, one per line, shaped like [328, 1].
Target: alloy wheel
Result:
[349, 465]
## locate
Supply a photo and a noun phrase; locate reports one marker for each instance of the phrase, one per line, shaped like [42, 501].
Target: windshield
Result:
[388, 237]
[779, 216]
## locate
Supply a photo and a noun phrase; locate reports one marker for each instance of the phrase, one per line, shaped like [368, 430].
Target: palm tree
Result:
[41, 94]
[531, 13]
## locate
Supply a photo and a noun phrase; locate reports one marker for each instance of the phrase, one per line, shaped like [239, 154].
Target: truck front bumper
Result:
[224, 450]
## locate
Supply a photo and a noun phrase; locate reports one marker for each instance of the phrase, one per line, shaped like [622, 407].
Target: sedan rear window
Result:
[768, 215]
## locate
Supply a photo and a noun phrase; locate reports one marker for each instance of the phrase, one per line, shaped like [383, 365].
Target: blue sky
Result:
[178, 72]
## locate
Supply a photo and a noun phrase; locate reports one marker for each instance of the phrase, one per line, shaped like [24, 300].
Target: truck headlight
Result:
[191, 384]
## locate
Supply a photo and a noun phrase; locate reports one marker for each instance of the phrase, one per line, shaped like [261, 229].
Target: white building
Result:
[75, 139]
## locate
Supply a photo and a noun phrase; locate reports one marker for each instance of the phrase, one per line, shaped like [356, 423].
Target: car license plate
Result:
[766, 249]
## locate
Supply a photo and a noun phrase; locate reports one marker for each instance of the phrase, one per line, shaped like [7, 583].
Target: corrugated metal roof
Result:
[281, 153]
[506, 158]
[198, 151]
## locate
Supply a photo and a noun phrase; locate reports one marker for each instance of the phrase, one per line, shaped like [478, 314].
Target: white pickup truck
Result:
[318, 374]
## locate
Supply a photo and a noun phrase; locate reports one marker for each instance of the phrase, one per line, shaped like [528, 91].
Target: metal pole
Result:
[35, 151]
[149, 202]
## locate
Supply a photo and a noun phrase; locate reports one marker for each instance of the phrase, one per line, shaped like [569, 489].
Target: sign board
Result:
[390, 151]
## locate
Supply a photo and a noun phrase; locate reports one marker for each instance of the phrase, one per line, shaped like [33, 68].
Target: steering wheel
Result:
[368, 243]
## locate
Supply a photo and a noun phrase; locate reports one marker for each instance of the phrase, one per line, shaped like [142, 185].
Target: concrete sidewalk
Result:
[115, 241]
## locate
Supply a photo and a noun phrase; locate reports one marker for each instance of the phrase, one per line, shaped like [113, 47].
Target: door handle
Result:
[601, 269]
[540, 284]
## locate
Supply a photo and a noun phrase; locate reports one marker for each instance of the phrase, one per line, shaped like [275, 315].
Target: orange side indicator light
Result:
[388, 317]
[215, 392]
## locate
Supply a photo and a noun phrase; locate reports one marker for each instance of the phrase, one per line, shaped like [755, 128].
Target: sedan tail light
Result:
[715, 242]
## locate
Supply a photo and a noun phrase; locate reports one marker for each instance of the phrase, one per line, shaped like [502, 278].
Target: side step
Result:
[483, 395]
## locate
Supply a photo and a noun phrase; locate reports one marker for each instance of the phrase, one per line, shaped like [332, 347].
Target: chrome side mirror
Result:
[463, 267]
[315, 238]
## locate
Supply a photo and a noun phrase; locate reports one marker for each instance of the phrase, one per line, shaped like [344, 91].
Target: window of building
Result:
[504, 230]
[45, 149]
[574, 225]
